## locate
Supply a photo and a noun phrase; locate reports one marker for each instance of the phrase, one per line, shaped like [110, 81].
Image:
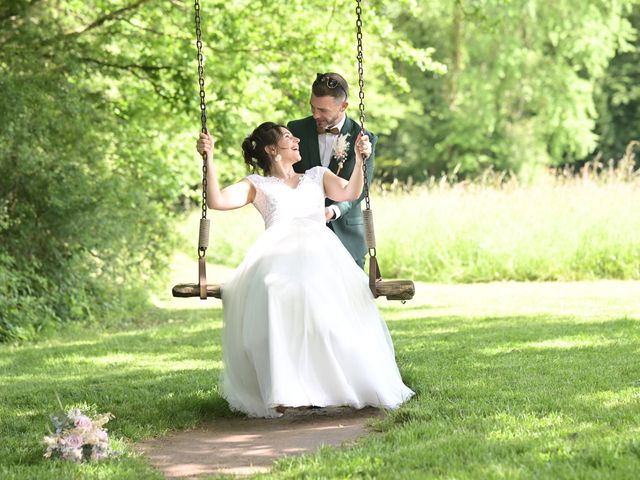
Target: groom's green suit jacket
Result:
[349, 225]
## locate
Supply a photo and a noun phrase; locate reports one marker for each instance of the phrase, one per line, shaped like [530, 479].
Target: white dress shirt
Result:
[326, 141]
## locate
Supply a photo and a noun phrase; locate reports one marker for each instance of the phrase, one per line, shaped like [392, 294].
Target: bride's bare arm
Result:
[231, 197]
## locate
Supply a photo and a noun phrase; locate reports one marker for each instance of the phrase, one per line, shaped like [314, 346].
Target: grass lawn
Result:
[513, 380]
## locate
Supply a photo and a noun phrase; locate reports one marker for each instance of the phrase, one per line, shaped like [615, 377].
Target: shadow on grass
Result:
[474, 373]
[542, 363]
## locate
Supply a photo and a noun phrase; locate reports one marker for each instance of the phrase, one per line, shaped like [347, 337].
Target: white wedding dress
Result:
[301, 326]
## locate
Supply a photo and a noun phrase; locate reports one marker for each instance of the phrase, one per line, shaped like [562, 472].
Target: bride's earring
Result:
[277, 158]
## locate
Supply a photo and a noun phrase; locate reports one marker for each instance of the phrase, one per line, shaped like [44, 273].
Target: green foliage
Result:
[521, 88]
[100, 108]
[86, 204]
[619, 99]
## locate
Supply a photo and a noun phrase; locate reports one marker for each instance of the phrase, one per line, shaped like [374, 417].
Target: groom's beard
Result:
[323, 124]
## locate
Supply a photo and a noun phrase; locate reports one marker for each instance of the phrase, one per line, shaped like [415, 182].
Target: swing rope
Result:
[367, 213]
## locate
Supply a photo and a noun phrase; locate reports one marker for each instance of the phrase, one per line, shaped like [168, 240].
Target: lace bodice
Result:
[277, 202]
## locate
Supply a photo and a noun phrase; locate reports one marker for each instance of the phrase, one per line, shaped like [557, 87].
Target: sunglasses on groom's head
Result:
[330, 82]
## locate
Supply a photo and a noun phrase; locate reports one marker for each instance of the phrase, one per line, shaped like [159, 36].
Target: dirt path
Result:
[245, 446]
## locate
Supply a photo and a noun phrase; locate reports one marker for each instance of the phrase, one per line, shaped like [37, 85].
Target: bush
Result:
[84, 217]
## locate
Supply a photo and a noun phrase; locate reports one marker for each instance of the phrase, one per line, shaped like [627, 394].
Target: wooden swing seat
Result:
[186, 290]
[391, 289]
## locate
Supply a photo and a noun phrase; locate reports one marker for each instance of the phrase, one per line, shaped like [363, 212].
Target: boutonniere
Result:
[340, 150]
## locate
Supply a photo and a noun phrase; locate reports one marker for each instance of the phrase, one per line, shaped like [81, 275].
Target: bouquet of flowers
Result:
[77, 437]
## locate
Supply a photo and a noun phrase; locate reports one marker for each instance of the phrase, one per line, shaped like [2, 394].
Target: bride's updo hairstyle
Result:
[254, 146]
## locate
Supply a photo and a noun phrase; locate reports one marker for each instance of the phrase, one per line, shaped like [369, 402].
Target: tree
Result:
[618, 99]
[521, 87]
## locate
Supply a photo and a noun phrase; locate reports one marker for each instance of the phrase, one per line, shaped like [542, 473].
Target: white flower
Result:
[91, 438]
[51, 441]
[74, 454]
[341, 147]
[73, 414]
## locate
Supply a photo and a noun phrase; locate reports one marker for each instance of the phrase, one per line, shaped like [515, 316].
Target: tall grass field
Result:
[557, 228]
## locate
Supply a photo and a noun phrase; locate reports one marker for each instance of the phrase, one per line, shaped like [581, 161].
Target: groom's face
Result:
[327, 111]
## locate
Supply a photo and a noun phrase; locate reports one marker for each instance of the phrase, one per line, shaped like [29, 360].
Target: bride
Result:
[301, 327]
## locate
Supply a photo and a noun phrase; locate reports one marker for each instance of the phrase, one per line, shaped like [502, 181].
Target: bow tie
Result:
[332, 130]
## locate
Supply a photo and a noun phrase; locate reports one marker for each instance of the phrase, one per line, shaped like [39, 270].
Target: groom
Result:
[327, 138]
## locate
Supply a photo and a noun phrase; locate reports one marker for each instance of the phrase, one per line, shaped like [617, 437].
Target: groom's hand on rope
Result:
[205, 144]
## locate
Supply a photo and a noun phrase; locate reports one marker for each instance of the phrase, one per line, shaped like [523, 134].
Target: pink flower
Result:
[102, 435]
[83, 421]
[73, 441]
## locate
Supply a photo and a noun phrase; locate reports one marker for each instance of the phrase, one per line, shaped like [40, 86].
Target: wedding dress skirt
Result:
[301, 326]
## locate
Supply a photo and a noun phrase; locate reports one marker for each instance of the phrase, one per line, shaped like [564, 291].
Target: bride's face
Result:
[288, 147]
